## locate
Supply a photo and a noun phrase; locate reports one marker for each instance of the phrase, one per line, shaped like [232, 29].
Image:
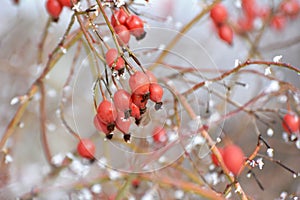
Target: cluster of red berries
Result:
[291, 123]
[117, 113]
[233, 158]
[125, 23]
[54, 7]
[287, 9]
[219, 15]
[278, 18]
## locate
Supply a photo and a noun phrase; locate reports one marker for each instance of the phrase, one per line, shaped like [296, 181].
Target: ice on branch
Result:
[277, 58]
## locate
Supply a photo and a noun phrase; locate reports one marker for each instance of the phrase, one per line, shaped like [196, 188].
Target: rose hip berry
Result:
[54, 8]
[233, 157]
[107, 112]
[86, 148]
[225, 33]
[67, 3]
[123, 34]
[139, 83]
[136, 27]
[156, 94]
[218, 14]
[214, 157]
[113, 59]
[122, 100]
[151, 77]
[100, 126]
[123, 125]
[119, 17]
[291, 123]
[135, 113]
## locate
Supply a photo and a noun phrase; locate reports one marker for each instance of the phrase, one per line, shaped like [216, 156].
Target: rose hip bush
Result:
[150, 99]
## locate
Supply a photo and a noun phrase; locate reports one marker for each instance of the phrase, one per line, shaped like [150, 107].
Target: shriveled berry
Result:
[159, 135]
[219, 13]
[139, 83]
[225, 33]
[233, 157]
[291, 123]
[119, 17]
[123, 34]
[86, 148]
[106, 112]
[136, 27]
[54, 8]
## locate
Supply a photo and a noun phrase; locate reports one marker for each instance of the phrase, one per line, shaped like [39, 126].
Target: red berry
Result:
[135, 183]
[86, 148]
[119, 17]
[250, 8]
[100, 126]
[159, 135]
[291, 123]
[290, 7]
[225, 33]
[123, 34]
[67, 3]
[139, 83]
[114, 60]
[122, 100]
[136, 27]
[135, 111]
[219, 14]
[156, 92]
[123, 125]
[151, 77]
[245, 24]
[139, 100]
[214, 157]
[107, 112]
[278, 22]
[233, 157]
[54, 8]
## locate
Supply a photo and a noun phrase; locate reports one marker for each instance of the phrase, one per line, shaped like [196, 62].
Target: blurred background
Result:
[21, 28]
